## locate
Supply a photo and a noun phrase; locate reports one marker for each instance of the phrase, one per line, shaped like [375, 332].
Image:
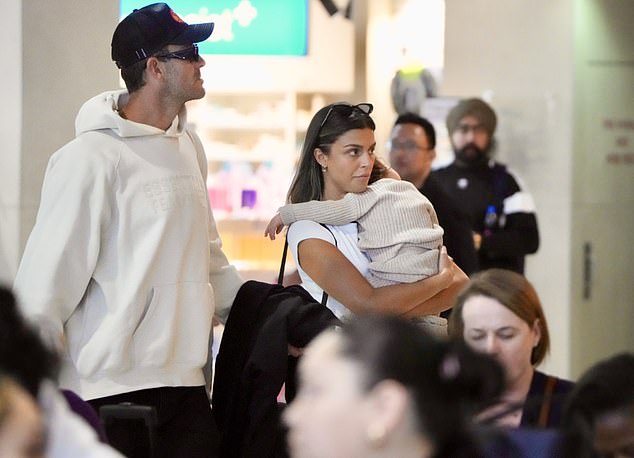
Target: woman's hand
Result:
[446, 298]
[444, 260]
[274, 227]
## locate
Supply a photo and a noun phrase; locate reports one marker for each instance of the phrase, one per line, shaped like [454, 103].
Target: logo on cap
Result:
[176, 17]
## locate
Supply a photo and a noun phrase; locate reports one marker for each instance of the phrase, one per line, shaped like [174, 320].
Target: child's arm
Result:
[274, 227]
[341, 211]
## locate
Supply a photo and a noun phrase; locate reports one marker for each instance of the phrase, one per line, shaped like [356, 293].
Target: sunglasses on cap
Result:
[191, 54]
[346, 110]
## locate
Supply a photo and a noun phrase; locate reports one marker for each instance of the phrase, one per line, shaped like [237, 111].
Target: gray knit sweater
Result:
[398, 228]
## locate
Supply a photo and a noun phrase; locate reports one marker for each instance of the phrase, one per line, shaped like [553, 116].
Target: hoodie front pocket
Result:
[176, 327]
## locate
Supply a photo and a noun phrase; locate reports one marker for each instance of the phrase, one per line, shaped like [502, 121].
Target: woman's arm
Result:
[446, 298]
[332, 271]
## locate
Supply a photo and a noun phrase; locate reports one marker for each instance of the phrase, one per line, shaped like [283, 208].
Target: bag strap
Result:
[280, 275]
[544, 411]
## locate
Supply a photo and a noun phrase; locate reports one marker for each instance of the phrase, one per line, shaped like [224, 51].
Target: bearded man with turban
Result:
[501, 212]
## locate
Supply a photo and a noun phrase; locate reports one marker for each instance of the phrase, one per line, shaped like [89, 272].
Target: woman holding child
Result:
[338, 157]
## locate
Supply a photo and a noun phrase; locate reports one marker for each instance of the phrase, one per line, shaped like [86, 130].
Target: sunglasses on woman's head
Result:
[191, 54]
[346, 110]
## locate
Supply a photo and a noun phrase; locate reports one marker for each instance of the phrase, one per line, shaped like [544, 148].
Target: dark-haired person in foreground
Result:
[72, 427]
[379, 386]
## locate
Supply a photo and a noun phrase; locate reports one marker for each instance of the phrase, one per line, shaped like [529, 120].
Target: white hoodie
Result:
[123, 253]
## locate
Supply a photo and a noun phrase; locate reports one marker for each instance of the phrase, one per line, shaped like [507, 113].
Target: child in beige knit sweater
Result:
[398, 228]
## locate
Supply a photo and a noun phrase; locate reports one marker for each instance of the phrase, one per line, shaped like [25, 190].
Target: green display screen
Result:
[244, 27]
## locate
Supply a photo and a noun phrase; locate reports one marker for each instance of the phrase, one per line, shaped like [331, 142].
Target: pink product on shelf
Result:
[219, 198]
[219, 189]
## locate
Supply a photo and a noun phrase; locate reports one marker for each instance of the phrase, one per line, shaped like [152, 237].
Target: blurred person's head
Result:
[337, 156]
[599, 415]
[412, 148]
[379, 386]
[499, 313]
[471, 126]
[21, 422]
[34, 362]
[23, 355]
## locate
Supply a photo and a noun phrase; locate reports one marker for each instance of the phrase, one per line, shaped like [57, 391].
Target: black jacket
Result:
[485, 184]
[458, 237]
[253, 364]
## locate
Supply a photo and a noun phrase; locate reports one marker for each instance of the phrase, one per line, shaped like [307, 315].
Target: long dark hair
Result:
[308, 182]
[447, 381]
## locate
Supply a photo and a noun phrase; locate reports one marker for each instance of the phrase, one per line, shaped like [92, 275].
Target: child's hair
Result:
[378, 170]
[447, 381]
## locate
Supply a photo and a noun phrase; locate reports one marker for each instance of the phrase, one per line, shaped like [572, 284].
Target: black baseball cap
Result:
[146, 30]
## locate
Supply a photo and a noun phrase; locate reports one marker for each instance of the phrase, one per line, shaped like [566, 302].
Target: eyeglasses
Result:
[477, 129]
[346, 110]
[191, 54]
[409, 146]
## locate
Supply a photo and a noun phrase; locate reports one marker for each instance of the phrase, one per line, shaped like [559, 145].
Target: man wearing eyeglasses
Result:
[412, 151]
[124, 269]
[501, 213]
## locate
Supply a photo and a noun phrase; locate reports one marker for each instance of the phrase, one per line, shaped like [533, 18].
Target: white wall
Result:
[65, 60]
[603, 198]
[382, 59]
[10, 133]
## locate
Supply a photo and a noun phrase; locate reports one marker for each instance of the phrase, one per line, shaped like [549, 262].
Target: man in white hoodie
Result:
[124, 267]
